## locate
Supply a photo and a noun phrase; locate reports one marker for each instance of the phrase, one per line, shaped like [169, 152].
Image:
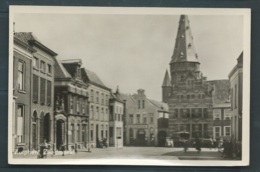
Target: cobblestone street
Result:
[138, 153]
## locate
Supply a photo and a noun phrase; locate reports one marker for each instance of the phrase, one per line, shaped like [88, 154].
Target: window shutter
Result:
[42, 99]
[48, 92]
[35, 88]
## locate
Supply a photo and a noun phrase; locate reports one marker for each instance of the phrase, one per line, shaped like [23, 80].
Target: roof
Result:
[131, 102]
[93, 78]
[184, 50]
[221, 94]
[161, 105]
[28, 38]
[166, 80]
[72, 61]
[60, 71]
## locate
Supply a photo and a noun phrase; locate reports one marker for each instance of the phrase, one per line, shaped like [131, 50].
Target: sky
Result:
[134, 51]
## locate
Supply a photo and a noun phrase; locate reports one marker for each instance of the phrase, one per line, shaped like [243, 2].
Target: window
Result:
[42, 66]
[83, 133]
[71, 104]
[102, 99]
[97, 113]
[227, 130]
[175, 113]
[78, 73]
[83, 106]
[91, 133]
[42, 91]
[102, 114]
[72, 133]
[36, 62]
[139, 104]
[92, 96]
[119, 117]
[217, 114]
[78, 133]
[227, 114]
[49, 93]
[143, 104]
[92, 112]
[49, 69]
[106, 99]
[151, 118]
[97, 97]
[21, 74]
[138, 119]
[77, 105]
[131, 119]
[144, 120]
[20, 123]
[35, 88]
[217, 132]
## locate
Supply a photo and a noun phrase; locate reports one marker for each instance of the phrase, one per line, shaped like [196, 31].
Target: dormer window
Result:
[78, 74]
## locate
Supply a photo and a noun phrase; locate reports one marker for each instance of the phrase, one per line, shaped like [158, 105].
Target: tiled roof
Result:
[60, 71]
[221, 92]
[94, 78]
[28, 37]
[25, 36]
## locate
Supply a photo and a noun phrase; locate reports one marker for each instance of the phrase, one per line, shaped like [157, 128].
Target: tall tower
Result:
[188, 94]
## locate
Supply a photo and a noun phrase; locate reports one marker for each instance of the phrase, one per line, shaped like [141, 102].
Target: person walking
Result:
[198, 145]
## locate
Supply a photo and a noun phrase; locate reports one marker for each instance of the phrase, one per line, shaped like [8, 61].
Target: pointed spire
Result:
[117, 90]
[184, 50]
[166, 81]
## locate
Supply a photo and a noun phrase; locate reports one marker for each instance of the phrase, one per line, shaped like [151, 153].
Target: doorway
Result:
[60, 133]
[141, 137]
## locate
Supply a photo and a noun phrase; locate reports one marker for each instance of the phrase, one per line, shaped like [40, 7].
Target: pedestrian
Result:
[198, 145]
[211, 143]
[105, 142]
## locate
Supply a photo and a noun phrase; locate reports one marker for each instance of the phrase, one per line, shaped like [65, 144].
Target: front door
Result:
[60, 133]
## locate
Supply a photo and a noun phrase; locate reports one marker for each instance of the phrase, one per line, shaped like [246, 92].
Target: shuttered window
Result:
[43, 89]
[48, 92]
[35, 88]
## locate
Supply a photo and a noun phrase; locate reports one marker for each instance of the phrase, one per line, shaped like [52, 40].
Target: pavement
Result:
[137, 153]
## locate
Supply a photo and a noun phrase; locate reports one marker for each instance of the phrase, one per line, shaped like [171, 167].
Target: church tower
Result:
[187, 92]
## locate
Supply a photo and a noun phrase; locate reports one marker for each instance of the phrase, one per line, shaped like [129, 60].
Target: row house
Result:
[99, 96]
[236, 90]
[71, 105]
[34, 84]
[221, 109]
[141, 120]
[116, 120]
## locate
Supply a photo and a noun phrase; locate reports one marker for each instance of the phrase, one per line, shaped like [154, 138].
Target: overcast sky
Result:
[134, 51]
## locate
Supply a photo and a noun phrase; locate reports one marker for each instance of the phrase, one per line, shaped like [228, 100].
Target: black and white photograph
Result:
[129, 86]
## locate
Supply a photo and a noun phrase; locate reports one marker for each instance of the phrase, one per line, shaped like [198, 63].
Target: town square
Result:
[94, 86]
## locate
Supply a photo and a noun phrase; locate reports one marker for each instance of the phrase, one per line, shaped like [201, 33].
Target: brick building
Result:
[186, 90]
[221, 109]
[38, 83]
[21, 115]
